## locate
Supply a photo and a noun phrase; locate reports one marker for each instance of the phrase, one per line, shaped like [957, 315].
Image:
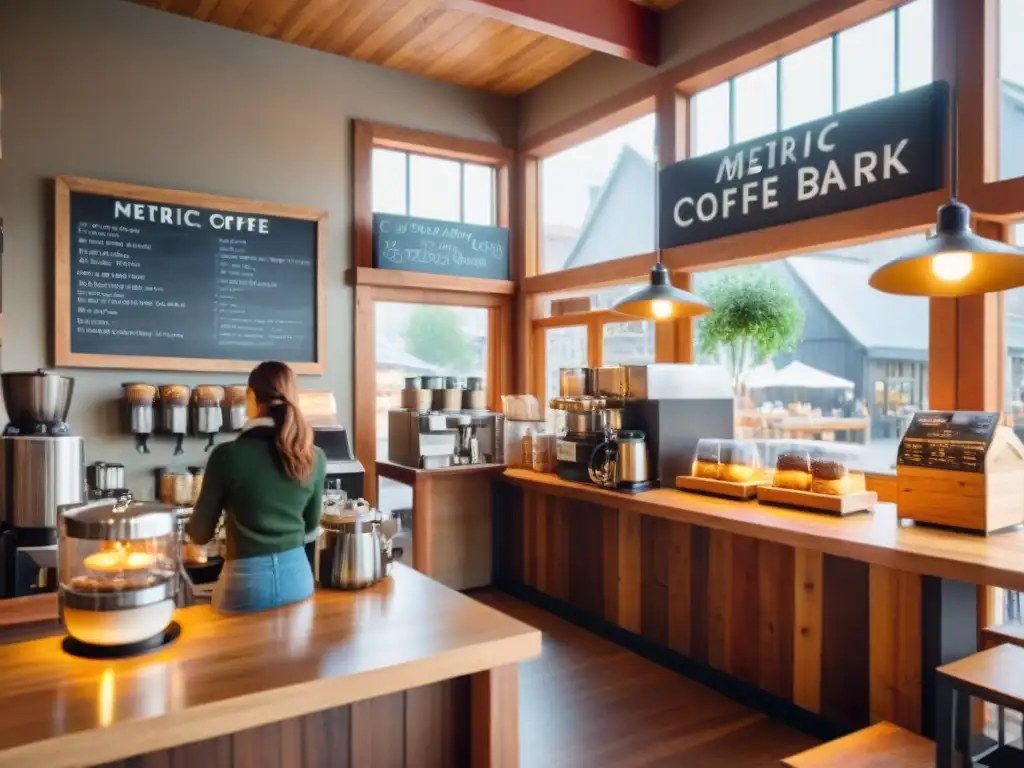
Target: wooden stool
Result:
[882, 744]
[997, 634]
[995, 675]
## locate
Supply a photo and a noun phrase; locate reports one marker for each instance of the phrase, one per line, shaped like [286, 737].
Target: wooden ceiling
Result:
[422, 36]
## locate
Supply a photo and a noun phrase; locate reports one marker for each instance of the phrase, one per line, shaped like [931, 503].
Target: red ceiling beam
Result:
[617, 27]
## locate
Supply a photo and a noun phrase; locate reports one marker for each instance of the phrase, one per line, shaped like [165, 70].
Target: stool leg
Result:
[944, 703]
[1001, 719]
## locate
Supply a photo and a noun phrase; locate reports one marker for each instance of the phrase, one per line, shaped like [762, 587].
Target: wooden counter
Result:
[451, 520]
[385, 676]
[836, 622]
[872, 538]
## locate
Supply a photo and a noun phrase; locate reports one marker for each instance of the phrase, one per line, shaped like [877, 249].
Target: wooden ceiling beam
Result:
[617, 27]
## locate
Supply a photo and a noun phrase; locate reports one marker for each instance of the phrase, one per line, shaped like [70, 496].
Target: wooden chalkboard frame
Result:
[62, 354]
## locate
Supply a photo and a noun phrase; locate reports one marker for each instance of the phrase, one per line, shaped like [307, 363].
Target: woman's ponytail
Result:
[276, 389]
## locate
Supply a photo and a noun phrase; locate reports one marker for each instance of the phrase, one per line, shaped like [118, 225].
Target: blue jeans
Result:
[263, 582]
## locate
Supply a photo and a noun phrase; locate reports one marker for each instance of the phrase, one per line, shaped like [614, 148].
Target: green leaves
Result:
[753, 318]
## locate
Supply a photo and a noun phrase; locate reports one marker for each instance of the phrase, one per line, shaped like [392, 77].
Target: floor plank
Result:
[587, 702]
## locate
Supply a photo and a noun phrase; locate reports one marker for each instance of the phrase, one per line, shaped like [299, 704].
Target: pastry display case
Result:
[815, 479]
[731, 468]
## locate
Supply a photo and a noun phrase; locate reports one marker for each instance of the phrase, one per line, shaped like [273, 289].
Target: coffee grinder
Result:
[139, 399]
[174, 412]
[42, 467]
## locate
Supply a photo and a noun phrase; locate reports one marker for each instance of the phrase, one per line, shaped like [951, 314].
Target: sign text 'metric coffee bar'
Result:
[881, 151]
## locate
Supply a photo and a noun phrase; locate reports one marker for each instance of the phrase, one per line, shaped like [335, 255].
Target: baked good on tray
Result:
[740, 462]
[829, 477]
[707, 464]
[793, 471]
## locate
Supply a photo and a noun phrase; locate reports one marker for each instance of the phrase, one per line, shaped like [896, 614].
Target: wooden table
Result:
[406, 672]
[842, 617]
[451, 518]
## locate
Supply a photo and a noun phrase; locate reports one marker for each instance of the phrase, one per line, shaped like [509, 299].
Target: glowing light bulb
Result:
[661, 308]
[954, 266]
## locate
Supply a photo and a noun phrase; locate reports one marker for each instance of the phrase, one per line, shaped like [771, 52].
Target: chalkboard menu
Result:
[954, 440]
[161, 279]
[439, 247]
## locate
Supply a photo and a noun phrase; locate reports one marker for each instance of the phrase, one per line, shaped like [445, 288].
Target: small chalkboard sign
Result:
[439, 247]
[161, 279]
[951, 440]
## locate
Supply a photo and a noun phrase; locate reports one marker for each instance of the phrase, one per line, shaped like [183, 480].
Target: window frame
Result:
[373, 285]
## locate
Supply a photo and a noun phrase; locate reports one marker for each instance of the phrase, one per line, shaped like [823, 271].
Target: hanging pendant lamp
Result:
[954, 261]
[659, 299]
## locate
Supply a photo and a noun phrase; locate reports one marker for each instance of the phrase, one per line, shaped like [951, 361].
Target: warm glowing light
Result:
[106, 698]
[119, 560]
[661, 308]
[952, 267]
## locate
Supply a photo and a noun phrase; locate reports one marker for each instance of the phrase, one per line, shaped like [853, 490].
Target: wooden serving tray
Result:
[859, 501]
[725, 488]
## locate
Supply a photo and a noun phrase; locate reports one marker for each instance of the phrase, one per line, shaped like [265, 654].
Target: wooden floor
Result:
[587, 702]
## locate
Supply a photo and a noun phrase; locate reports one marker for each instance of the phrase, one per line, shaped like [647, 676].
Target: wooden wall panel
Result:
[844, 641]
[807, 611]
[610, 563]
[700, 552]
[654, 546]
[586, 556]
[629, 571]
[680, 586]
[427, 727]
[558, 538]
[776, 618]
[719, 602]
[744, 626]
[895, 647]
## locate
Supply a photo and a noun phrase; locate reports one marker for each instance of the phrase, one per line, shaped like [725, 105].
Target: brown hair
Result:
[277, 390]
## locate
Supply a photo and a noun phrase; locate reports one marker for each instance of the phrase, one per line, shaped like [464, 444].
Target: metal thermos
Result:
[620, 461]
[38, 475]
[356, 550]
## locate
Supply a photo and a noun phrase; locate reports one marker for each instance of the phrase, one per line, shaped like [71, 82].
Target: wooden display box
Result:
[966, 474]
[741, 491]
[829, 504]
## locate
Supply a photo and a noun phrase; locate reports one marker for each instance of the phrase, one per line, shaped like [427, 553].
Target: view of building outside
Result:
[840, 366]
[584, 217]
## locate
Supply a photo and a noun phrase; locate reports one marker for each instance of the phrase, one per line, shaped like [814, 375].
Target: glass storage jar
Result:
[117, 570]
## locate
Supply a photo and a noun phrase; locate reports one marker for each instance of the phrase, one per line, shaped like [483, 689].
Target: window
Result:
[1013, 367]
[629, 343]
[1011, 90]
[886, 54]
[857, 368]
[410, 184]
[418, 339]
[597, 198]
[564, 348]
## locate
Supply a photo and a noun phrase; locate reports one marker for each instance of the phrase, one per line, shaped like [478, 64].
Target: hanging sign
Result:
[881, 151]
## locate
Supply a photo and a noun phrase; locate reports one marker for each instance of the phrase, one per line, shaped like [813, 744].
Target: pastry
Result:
[829, 477]
[793, 471]
[707, 464]
[707, 469]
[738, 473]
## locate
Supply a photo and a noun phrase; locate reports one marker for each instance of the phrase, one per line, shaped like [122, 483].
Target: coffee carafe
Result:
[139, 398]
[174, 412]
[620, 462]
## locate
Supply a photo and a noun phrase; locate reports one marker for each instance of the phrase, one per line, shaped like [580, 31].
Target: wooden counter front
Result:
[231, 674]
[839, 621]
[871, 538]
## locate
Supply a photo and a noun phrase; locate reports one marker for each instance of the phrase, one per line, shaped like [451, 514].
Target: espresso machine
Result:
[344, 472]
[42, 467]
[674, 405]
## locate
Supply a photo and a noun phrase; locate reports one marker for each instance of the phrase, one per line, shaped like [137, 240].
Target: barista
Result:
[269, 485]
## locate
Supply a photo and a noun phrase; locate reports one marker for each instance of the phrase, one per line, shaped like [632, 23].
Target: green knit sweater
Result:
[265, 510]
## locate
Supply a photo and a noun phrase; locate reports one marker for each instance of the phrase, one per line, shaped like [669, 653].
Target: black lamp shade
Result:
[953, 262]
[661, 300]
